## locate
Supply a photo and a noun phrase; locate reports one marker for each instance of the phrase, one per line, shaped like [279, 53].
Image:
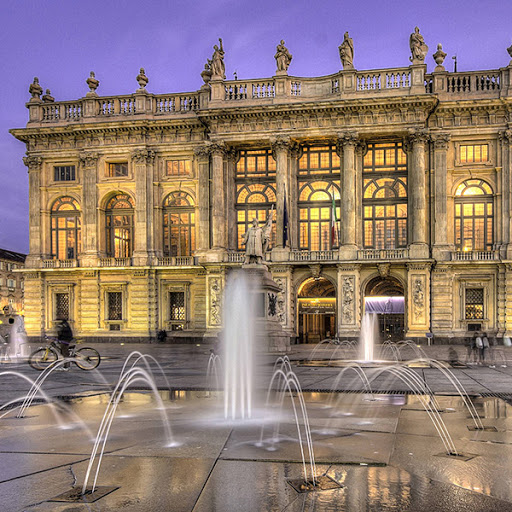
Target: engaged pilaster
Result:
[88, 164]
[349, 312]
[506, 158]
[347, 143]
[203, 200]
[441, 246]
[217, 151]
[34, 164]
[418, 247]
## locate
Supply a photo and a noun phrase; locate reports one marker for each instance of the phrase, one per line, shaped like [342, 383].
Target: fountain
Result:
[368, 336]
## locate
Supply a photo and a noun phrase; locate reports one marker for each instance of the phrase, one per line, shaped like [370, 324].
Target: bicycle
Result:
[86, 358]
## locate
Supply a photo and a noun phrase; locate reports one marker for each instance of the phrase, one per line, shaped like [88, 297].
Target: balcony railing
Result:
[314, 255]
[475, 256]
[60, 263]
[383, 254]
[176, 261]
[115, 262]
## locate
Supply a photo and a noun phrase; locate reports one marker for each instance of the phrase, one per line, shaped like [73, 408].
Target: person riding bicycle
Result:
[65, 337]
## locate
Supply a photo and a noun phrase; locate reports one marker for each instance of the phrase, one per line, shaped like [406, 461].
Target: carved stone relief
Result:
[272, 304]
[215, 302]
[418, 298]
[347, 305]
[281, 300]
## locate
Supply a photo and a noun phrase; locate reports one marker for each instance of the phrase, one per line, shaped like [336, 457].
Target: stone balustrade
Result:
[347, 84]
[115, 262]
[383, 254]
[475, 255]
[59, 263]
[314, 255]
[176, 261]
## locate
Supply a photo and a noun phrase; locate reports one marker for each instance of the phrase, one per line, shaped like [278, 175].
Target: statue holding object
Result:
[257, 240]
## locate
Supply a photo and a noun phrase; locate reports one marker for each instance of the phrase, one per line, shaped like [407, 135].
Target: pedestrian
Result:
[485, 347]
[478, 348]
[64, 337]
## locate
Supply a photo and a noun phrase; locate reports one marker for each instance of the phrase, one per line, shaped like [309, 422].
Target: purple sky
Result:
[61, 41]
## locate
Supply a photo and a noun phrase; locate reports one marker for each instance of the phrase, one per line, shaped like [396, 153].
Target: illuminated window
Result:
[385, 196]
[319, 160]
[114, 305]
[474, 216]
[318, 230]
[119, 226]
[474, 306]
[179, 224]
[178, 167]
[64, 173]
[256, 163]
[254, 201]
[474, 153]
[117, 170]
[65, 229]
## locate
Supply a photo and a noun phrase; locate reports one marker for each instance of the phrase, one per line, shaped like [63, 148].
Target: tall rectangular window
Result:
[474, 307]
[62, 306]
[178, 167]
[115, 305]
[64, 173]
[177, 312]
[117, 170]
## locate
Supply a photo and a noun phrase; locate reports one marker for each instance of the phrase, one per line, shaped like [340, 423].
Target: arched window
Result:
[179, 225]
[318, 226]
[119, 226]
[385, 196]
[474, 216]
[254, 201]
[65, 229]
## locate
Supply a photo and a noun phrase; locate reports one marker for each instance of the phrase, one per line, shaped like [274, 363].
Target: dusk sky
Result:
[61, 41]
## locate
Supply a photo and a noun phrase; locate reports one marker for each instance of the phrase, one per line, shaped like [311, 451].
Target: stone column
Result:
[418, 300]
[231, 159]
[349, 301]
[89, 254]
[291, 191]
[348, 247]
[441, 245]
[34, 164]
[143, 201]
[361, 149]
[417, 207]
[218, 194]
[506, 165]
[203, 200]
[280, 149]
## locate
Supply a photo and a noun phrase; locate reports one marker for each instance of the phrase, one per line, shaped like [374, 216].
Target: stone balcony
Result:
[475, 255]
[343, 85]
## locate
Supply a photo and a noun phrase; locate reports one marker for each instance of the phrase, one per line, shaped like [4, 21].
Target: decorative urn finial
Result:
[93, 84]
[47, 97]
[142, 79]
[439, 57]
[35, 90]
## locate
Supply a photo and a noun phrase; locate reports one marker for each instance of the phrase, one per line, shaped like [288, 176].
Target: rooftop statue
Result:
[257, 240]
[283, 57]
[217, 66]
[346, 49]
[35, 90]
[418, 47]
[47, 97]
[142, 79]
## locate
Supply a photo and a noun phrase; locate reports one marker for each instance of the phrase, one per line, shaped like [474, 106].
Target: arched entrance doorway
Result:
[316, 310]
[385, 297]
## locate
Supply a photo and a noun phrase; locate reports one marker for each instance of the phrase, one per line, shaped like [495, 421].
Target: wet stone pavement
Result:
[383, 449]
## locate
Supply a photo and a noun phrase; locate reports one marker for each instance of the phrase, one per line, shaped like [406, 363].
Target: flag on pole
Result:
[285, 220]
[334, 222]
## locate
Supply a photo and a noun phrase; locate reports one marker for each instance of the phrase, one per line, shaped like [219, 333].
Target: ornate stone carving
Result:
[218, 67]
[35, 90]
[93, 84]
[346, 50]
[440, 140]
[279, 144]
[47, 97]
[206, 74]
[283, 58]
[418, 47]
[281, 300]
[33, 162]
[142, 156]
[272, 304]
[347, 139]
[202, 151]
[505, 136]
[88, 159]
[415, 137]
[216, 148]
[215, 301]
[418, 298]
[347, 305]
[316, 270]
[439, 57]
[509, 50]
[384, 269]
[142, 80]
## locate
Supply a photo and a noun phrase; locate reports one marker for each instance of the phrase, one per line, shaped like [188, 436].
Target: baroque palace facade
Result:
[383, 183]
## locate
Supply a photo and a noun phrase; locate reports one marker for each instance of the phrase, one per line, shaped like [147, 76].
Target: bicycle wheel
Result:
[42, 358]
[87, 358]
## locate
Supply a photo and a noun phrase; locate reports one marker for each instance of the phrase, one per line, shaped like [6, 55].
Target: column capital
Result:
[295, 149]
[88, 159]
[280, 144]
[440, 140]
[232, 155]
[505, 136]
[33, 163]
[142, 156]
[416, 137]
[347, 139]
[217, 148]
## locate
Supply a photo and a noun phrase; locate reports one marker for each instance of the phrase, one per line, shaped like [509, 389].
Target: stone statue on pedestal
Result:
[257, 241]
[142, 79]
[283, 57]
[346, 49]
[35, 90]
[418, 47]
[218, 68]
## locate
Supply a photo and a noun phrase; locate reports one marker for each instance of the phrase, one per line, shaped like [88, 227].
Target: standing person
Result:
[65, 337]
[478, 348]
[485, 347]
